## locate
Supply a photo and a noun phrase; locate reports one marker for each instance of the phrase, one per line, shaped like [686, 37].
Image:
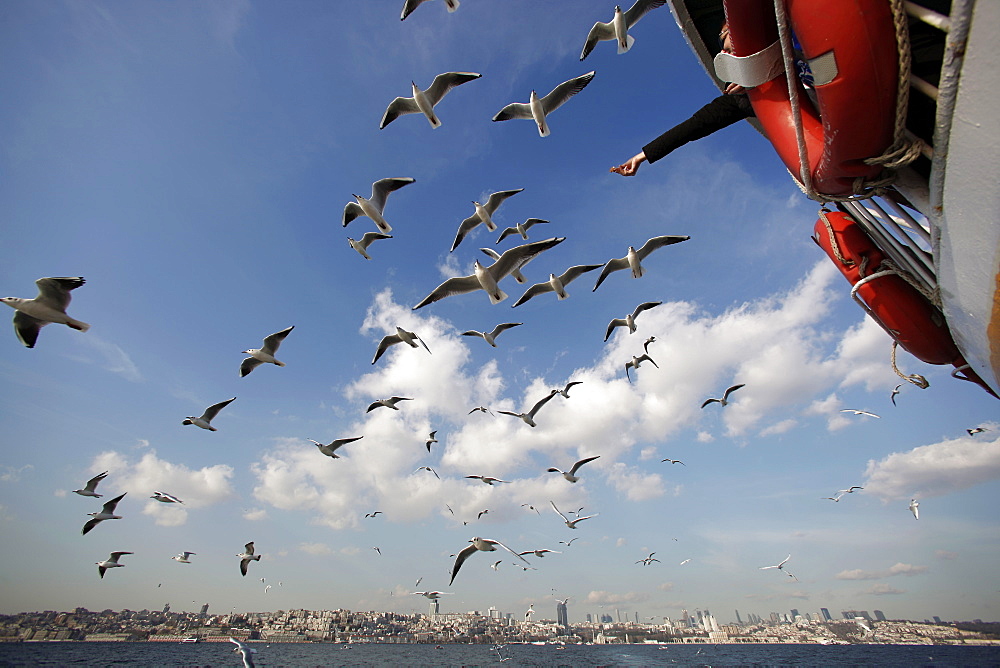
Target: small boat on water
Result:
[192, 639]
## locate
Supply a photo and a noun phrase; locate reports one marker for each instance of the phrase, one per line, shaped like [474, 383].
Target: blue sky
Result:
[192, 162]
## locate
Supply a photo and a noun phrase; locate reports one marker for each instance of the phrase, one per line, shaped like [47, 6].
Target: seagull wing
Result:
[616, 322]
[504, 327]
[409, 6]
[645, 306]
[512, 111]
[600, 31]
[640, 9]
[338, 443]
[506, 233]
[272, 342]
[445, 82]
[534, 290]
[658, 242]
[708, 401]
[453, 286]
[542, 402]
[467, 226]
[463, 554]
[565, 519]
[92, 483]
[248, 365]
[565, 91]
[646, 358]
[382, 188]
[214, 409]
[27, 327]
[518, 256]
[109, 507]
[389, 340]
[493, 203]
[574, 273]
[732, 389]
[54, 292]
[351, 211]
[580, 463]
[531, 222]
[616, 264]
[90, 525]
[397, 108]
[496, 542]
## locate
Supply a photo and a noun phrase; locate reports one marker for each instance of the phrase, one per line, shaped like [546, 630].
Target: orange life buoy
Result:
[855, 119]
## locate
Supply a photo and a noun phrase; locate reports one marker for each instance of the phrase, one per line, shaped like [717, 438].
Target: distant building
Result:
[204, 610]
[590, 620]
[435, 607]
[879, 615]
[795, 613]
[826, 615]
[166, 608]
[562, 615]
[738, 620]
[937, 620]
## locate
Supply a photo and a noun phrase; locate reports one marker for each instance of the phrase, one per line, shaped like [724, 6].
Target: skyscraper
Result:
[738, 620]
[826, 615]
[204, 610]
[795, 613]
[562, 616]
[879, 615]
[435, 607]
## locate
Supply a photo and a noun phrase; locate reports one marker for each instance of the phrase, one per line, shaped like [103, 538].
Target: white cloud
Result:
[608, 598]
[316, 549]
[934, 470]
[883, 589]
[198, 488]
[665, 586]
[11, 474]
[897, 569]
[254, 514]
[636, 485]
[111, 358]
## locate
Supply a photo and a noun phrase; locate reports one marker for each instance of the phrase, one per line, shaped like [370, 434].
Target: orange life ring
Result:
[856, 112]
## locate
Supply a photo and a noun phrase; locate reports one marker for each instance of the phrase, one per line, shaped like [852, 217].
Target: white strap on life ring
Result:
[750, 71]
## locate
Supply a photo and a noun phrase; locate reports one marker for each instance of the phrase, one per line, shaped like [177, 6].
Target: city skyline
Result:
[193, 161]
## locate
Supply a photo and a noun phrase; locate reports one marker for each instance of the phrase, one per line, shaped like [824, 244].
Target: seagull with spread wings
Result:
[163, 497]
[521, 228]
[110, 562]
[571, 474]
[49, 306]
[629, 320]
[247, 556]
[387, 403]
[571, 523]
[857, 412]
[401, 336]
[617, 29]
[490, 337]
[330, 449]
[565, 390]
[724, 401]
[557, 284]
[529, 417]
[424, 101]
[205, 420]
[479, 545]
[636, 361]
[373, 206]
[537, 109]
[91, 487]
[366, 240]
[107, 512]
[633, 259]
[483, 215]
[264, 354]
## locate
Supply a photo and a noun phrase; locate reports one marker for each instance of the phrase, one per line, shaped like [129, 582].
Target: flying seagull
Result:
[431, 438]
[183, 557]
[246, 651]
[780, 566]
[529, 417]
[539, 553]
[530, 507]
[557, 284]
[724, 401]
[264, 354]
[487, 479]
[377, 550]
[366, 240]
[629, 320]
[617, 29]
[496, 564]
[107, 512]
[377, 512]
[857, 412]
[486, 278]
[571, 474]
[480, 545]
[645, 344]
[205, 421]
[567, 544]
[633, 259]
[388, 403]
[481, 409]
[91, 487]
[913, 509]
[427, 468]
[529, 612]
[330, 449]
[481, 513]
[515, 274]
[424, 101]
[835, 499]
[646, 561]
[636, 361]
[571, 523]
[849, 490]
[110, 562]
[971, 432]
[163, 497]
[49, 306]
[565, 390]
[538, 108]
[673, 461]
[373, 206]
[490, 337]
[247, 557]
[521, 228]
[401, 336]
[410, 5]
[483, 215]
[895, 391]
[432, 595]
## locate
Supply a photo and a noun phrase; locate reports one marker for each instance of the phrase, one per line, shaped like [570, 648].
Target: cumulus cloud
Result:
[665, 586]
[897, 569]
[198, 488]
[316, 549]
[599, 597]
[254, 514]
[935, 470]
[883, 589]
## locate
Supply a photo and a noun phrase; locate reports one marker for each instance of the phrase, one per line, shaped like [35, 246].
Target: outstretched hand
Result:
[631, 166]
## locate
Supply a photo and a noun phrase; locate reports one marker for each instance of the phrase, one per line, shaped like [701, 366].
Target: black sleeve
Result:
[721, 112]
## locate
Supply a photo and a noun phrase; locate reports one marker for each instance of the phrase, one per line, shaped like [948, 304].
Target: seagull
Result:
[633, 258]
[529, 417]
[496, 564]
[106, 513]
[481, 545]
[388, 403]
[401, 336]
[490, 337]
[410, 5]
[645, 344]
[529, 612]
[895, 391]
[427, 468]
[377, 550]
[49, 306]
[849, 490]
[684, 562]
[971, 432]
[539, 553]
[857, 412]
[636, 361]
[481, 513]
[330, 449]
[629, 320]
[432, 595]
[205, 421]
[183, 557]
[264, 354]
[913, 509]
[419, 580]
[246, 651]
[487, 479]
[617, 29]
[530, 507]
[247, 557]
[538, 108]
[366, 240]
[571, 523]
[431, 438]
[557, 284]
[377, 512]
[267, 589]
[483, 215]
[570, 541]
[673, 461]
[110, 562]
[521, 228]
[486, 278]
[424, 101]
[835, 499]
[481, 409]
[780, 566]
[91, 486]
[565, 390]
[571, 474]
[646, 561]
[724, 401]
[515, 274]
[163, 497]
[373, 207]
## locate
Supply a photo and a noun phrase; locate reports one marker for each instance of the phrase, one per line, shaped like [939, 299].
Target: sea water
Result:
[215, 655]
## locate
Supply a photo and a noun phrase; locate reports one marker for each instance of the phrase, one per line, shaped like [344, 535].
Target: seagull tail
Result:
[452, 5]
[279, 363]
[77, 325]
[629, 41]
[639, 273]
[498, 297]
